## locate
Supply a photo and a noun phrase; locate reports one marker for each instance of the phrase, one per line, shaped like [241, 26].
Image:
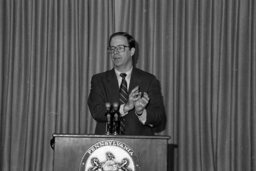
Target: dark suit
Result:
[104, 88]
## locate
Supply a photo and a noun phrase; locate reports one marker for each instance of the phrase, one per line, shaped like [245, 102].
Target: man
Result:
[143, 110]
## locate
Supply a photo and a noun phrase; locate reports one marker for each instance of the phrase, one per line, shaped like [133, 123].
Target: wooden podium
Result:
[110, 153]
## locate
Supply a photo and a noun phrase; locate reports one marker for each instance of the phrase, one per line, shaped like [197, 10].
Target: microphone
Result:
[108, 115]
[116, 116]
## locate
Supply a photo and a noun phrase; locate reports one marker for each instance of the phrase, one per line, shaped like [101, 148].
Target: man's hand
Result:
[141, 103]
[133, 96]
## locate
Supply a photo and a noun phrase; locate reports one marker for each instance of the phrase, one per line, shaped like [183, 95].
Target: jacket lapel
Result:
[135, 80]
[112, 86]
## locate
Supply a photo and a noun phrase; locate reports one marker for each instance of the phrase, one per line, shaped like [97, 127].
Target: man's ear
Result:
[132, 51]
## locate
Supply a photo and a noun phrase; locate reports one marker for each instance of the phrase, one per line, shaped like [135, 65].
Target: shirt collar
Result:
[128, 74]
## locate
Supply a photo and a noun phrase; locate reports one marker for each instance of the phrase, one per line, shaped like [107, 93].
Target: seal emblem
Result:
[109, 155]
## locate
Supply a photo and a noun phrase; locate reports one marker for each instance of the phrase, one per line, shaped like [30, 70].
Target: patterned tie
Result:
[123, 99]
[123, 92]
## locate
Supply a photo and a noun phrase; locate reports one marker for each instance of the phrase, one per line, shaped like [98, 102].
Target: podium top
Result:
[109, 136]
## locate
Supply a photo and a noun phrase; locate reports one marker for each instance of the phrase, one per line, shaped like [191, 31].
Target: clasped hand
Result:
[137, 100]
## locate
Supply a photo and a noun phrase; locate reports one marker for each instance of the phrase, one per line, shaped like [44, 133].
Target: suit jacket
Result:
[104, 88]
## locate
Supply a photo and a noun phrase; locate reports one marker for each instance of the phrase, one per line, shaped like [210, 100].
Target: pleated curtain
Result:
[202, 51]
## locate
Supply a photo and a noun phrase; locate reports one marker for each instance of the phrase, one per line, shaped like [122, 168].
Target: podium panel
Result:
[110, 153]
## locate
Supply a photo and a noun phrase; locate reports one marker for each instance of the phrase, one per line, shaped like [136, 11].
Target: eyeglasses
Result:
[118, 49]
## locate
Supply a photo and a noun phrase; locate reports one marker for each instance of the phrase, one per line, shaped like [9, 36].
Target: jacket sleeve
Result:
[156, 116]
[96, 102]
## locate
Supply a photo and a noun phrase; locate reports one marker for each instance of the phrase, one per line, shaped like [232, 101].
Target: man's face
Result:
[122, 55]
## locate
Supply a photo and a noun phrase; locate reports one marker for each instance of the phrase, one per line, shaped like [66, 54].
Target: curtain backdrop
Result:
[49, 51]
[202, 51]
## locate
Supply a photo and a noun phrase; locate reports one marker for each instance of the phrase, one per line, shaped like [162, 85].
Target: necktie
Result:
[123, 92]
[123, 98]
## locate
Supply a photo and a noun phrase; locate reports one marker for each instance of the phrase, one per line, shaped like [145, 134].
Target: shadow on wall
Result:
[170, 158]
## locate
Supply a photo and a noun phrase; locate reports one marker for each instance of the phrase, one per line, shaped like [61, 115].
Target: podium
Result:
[110, 153]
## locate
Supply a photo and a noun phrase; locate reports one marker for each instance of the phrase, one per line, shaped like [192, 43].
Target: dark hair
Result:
[130, 39]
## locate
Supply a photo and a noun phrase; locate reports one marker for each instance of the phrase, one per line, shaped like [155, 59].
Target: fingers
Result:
[143, 100]
[135, 94]
[139, 99]
[135, 89]
[145, 96]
